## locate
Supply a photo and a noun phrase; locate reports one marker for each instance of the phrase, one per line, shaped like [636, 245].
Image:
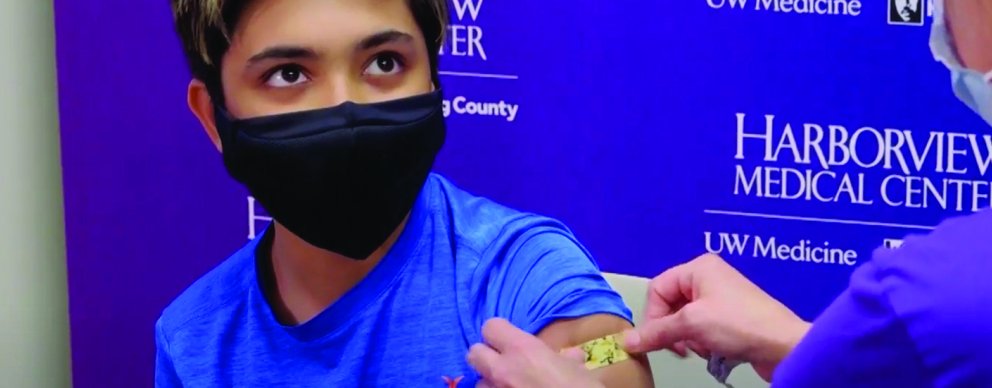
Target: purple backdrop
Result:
[625, 125]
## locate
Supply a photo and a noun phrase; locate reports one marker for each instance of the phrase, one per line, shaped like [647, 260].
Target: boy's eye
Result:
[286, 76]
[384, 64]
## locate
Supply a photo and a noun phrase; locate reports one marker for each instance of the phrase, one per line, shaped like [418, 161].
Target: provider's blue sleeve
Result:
[549, 277]
[857, 342]
[165, 372]
[915, 316]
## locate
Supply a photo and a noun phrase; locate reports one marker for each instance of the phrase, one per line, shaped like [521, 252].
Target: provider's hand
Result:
[516, 359]
[709, 307]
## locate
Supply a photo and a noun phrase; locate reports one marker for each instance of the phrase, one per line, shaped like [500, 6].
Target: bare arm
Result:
[635, 372]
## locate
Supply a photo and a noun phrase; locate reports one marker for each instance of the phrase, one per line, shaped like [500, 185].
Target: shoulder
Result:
[958, 234]
[938, 286]
[955, 256]
[213, 296]
[504, 250]
[495, 231]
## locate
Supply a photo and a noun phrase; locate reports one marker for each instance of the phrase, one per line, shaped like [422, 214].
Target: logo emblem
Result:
[452, 382]
[906, 12]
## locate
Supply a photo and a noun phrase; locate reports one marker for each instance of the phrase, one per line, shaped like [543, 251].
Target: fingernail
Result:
[572, 354]
[631, 339]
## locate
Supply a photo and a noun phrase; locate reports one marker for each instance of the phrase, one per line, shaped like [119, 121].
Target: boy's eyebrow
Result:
[383, 37]
[300, 52]
[282, 52]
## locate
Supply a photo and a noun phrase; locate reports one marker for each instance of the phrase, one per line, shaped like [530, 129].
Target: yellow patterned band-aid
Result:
[604, 351]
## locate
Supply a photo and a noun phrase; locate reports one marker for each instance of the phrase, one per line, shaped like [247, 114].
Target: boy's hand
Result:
[516, 359]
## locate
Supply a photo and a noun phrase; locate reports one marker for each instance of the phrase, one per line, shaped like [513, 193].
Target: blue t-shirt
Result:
[460, 261]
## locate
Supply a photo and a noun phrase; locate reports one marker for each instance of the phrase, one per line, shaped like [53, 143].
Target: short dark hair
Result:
[205, 26]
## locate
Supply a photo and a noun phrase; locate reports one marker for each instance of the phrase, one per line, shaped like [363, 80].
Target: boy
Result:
[375, 272]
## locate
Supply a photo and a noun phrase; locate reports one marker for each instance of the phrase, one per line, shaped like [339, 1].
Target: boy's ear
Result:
[202, 107]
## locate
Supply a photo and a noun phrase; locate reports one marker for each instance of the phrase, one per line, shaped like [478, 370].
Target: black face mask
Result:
[341, 178]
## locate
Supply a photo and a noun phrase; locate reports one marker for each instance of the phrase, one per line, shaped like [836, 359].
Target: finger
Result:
[660, 299]
[698, 349]
[670, 290]
[483, 359]
[657, 334]
[680, 349]
[574, 354]
[502, 335]
[484, 384]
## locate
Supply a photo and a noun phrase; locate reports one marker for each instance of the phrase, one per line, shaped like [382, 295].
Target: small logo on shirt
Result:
[452, 382]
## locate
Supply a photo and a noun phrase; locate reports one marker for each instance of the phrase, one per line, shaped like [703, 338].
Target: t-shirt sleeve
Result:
[858, 341]
[548, 276]
[165, 372]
